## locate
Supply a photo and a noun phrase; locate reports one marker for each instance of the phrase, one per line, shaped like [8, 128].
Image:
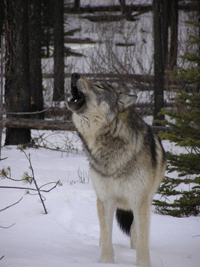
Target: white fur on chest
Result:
[120, 190]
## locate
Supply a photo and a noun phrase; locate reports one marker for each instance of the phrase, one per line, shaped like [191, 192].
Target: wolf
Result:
[127, 161]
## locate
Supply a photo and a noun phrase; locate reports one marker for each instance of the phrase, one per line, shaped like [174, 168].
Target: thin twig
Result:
[15, 180]
[1, 257]
[6, 227]
[56, 183]
[3, 158]
[29, 189]
[33, 176]
[11, 205]
[27, 113]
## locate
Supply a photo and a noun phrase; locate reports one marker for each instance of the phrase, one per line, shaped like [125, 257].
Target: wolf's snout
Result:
[77, 101]
[75, 77]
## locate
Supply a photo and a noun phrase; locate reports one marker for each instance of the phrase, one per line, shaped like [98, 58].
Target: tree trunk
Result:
[17, 84]
[174, 34]
[123, 5]
[35, 58]
[2, 17]
[198, 14]
[160, 9]
[77, 6]
[58, 93]
[47, 14]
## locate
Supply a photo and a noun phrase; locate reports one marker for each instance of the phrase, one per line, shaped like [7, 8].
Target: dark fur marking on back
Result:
[164, 158]
[150, 141]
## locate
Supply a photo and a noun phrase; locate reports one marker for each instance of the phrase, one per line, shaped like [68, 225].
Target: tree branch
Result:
[6, 227]
[29, 189]
[11, 205]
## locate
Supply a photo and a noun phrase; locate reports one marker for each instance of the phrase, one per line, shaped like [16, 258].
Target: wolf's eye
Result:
[100, 86]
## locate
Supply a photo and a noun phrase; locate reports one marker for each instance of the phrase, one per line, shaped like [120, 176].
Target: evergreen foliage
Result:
[185, 124]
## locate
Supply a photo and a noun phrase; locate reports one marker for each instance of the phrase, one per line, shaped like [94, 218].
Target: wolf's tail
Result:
[125, 220]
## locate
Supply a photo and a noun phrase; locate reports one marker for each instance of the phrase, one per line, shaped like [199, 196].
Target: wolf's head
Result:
[96, 100]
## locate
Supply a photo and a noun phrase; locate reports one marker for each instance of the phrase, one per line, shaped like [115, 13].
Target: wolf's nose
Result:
[75, 77]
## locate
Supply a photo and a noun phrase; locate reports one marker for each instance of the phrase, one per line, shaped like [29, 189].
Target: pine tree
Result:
[185, 124]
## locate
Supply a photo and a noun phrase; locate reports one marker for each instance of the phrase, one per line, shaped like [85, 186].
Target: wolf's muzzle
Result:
[74, 78]
[78, 98]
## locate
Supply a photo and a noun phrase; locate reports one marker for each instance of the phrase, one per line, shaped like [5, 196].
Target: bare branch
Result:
[58, 182]
[3, 158]
[34, 180]
[6, 227]
[11, 205]
[27, 113]
[196, 236]
[30, 189]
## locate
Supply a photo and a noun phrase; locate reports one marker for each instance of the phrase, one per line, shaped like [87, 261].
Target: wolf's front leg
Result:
[105, 214]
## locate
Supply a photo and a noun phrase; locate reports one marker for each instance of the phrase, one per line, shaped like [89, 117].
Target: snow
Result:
[69, 234]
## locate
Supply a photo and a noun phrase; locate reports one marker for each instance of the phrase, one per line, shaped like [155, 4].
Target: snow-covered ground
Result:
[69, 234]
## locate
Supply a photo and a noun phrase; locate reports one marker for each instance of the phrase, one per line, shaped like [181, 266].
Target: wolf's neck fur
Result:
[101, 140]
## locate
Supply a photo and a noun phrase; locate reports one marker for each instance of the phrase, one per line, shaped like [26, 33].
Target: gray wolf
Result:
[127, 161]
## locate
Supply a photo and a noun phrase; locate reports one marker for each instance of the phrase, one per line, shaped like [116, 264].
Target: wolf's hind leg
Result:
[142, 221]
[105, 214]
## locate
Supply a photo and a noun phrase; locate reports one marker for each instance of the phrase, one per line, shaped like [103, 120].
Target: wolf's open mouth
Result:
[77, 100]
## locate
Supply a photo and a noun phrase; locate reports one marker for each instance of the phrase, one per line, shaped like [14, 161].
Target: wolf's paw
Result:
[107, 255]
[143, 263]
[107, 260]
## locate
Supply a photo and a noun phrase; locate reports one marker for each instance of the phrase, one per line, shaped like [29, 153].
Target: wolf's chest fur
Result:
[113, 151]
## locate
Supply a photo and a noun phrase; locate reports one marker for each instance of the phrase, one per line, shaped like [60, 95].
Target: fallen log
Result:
[107, 8]
[54, 125]
[39, 124]
[143, 81]
[127, 9]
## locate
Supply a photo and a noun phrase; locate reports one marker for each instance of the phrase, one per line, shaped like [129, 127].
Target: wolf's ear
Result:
[125, 100]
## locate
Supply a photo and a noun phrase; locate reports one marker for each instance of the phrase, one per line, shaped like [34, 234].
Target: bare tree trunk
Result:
[122, 4]
[17, 84]
[77, 6]
[174, 34]
[47, 13]
[35, 58]
[160, 9]
[198, 13]
[2, 17]
[58, 93]
[1, 92]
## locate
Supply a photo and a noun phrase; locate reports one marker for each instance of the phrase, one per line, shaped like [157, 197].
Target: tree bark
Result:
[17, 84]
[58, 93]
[2, 17]
[47, 18]
[122, 4]
[174, 34]
[198, 13]
[36, 93]
[40, 124]
[76, 6]
[160, 51]
[188, 7]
